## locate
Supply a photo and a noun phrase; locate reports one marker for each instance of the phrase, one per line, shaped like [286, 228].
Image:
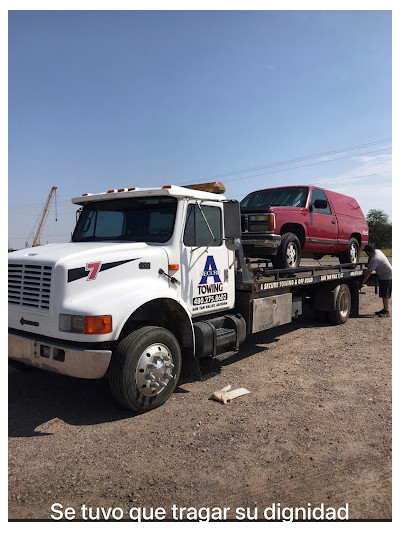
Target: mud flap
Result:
[355, 298]
[325, 299]
[190, 368]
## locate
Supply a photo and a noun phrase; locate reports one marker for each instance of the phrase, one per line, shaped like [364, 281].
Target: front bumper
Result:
[59, 358]
[263, 240]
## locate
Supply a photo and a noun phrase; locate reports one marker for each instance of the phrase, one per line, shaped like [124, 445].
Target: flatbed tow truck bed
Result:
[268, 297]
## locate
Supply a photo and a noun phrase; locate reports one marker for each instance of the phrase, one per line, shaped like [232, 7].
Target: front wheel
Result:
[145, 368]
[289, 252]
[352, 253]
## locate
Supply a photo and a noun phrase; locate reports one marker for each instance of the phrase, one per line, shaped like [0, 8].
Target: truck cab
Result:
[137, 256]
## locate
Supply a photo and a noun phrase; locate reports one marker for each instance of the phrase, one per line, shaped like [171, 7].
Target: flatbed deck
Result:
[263, 279]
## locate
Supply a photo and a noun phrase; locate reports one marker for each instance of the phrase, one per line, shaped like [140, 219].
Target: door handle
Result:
[333, 221]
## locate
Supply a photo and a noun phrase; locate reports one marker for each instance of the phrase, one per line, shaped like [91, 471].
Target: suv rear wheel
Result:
[289, 252]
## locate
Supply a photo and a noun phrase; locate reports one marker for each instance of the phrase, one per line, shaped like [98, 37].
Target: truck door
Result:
[323, 228]
[208, 277]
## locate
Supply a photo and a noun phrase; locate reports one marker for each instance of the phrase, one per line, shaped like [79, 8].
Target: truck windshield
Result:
[149, 219]
[290, 196]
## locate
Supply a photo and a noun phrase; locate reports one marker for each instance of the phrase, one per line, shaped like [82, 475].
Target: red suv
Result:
[287, 223]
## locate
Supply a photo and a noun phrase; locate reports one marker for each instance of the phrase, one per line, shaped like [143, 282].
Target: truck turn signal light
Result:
[97, 325]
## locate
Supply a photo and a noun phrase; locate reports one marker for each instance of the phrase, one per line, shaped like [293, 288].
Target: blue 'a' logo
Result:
[210, 269]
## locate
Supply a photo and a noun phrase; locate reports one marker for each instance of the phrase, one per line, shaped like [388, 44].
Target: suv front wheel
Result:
[289, 252]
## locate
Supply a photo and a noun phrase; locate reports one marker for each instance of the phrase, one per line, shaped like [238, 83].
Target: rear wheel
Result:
[342, 307]
[145, 368]
[352, 253]
[289, 252]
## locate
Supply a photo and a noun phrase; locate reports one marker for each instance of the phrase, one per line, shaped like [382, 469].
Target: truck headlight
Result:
[261, 223]
[72, 323]
[91, 325]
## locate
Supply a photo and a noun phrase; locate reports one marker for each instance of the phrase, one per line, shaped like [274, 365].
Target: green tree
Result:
[380, 229]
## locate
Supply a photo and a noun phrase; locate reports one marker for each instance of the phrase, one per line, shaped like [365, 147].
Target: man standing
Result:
[378, 261]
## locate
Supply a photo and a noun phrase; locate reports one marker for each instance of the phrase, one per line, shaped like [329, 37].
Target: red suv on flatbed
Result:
[287, 223]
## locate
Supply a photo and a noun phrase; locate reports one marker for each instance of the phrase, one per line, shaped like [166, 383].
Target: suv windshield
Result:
[149, 219]
[291, 196]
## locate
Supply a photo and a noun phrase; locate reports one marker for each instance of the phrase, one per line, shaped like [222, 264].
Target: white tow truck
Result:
[152, 281]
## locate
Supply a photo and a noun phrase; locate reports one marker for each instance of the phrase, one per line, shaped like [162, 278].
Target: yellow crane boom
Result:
[46, 210]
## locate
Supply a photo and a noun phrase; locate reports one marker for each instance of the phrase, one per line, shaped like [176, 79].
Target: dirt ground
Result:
[316, 428]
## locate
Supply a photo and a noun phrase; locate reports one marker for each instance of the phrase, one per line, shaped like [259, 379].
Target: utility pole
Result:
[46, 210]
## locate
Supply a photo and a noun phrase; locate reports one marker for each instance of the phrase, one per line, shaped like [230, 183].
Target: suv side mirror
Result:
[232, 224]
[320, 204]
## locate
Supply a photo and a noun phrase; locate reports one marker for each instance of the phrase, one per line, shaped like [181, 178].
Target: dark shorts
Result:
[385, 288]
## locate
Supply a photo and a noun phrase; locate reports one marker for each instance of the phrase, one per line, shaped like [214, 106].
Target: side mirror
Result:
[233, 244]
[232, 219]
[232, 224]
[320, 204]
[78, 214]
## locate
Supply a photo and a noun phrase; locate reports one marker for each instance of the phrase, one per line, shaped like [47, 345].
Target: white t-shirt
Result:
[381, 265]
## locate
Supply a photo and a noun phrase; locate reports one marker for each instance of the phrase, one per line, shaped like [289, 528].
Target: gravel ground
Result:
[315, 428]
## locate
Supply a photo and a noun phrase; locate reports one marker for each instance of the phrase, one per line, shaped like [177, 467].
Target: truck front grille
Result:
[29, 285]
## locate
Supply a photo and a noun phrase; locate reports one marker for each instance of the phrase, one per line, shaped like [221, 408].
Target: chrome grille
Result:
[29, 285]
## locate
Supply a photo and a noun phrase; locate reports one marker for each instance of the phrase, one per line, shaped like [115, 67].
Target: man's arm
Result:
[366, 277]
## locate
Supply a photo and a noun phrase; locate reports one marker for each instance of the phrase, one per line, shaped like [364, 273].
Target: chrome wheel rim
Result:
[154, 369]
[291, 255]
[353, 253]
[344, 304]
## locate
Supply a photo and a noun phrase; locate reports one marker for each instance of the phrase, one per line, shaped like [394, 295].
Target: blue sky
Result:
[104, 99]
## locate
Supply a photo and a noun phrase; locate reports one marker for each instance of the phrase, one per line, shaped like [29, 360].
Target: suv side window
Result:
[318, 194]
[196, 229]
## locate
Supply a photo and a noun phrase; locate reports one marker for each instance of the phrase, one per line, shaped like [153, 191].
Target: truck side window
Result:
[196, 229]
[318, 194]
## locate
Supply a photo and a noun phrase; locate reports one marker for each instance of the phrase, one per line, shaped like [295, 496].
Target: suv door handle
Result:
[333, 221]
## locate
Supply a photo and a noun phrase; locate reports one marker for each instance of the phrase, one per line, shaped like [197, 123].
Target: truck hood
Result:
[272, 209]
[81, 278]
[52, 253]
[286, 209]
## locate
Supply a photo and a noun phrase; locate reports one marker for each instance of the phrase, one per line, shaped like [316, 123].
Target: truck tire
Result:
[342, 306]
[352, 252]
[289, 252]
[145, 368]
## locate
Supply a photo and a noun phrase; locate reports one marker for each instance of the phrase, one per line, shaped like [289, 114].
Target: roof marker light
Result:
[215, 187]
[166, 186]
[131, 188]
